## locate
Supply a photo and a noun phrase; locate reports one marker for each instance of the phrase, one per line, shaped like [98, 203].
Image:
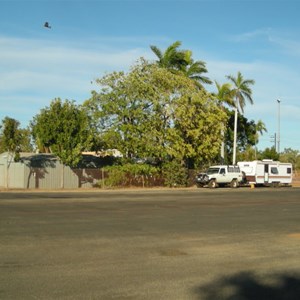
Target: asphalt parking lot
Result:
[151, 244]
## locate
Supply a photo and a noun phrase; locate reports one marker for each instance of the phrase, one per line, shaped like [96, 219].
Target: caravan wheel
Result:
[275, 184]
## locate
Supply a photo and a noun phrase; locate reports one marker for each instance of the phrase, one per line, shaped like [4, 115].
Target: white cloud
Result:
[251, 35]
[287, 42]
[39, 66]
[33, 72]
[289, 45]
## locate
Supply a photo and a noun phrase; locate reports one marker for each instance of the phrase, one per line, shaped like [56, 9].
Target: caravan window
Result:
[274, 170]
[289, 170]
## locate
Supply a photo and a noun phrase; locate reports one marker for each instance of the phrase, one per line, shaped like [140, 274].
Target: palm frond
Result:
[157, 52]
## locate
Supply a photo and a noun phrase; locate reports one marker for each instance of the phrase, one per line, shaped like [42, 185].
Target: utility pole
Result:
[273, 140]
[278, 134]
[235, 134]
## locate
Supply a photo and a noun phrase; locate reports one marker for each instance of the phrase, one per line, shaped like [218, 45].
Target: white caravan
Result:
[267, 172]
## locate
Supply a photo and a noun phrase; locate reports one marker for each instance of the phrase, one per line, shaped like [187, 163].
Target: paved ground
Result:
[166, 244]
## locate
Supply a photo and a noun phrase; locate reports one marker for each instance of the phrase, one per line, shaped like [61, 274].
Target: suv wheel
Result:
[212, 184]
[234, 183]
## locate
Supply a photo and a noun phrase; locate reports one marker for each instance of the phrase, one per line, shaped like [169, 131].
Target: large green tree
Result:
[151, 112]
[241, 92]
[62, 129]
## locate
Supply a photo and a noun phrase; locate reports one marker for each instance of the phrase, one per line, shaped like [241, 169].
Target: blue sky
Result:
[89, 38]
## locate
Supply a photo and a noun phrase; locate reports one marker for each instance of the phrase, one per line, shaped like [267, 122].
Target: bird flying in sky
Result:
[47, 25]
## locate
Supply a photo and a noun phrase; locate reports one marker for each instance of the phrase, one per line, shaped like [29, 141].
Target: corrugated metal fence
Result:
[46, 172]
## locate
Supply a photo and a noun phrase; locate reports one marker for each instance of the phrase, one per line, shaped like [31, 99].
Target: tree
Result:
[172, 58]
[11, 135]
[13, 138]
[249, 154]
[269, 153]
[260, 128]
[177, 60]
[62, 129]
[246, 136]
[291, 156]
[154, 113]
[224, 96]
[242, 92]
[195, 70]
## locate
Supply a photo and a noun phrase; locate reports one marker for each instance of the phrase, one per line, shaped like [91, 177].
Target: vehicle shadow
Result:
[248, 286]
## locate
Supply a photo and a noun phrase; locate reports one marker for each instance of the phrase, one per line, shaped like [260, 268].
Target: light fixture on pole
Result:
[278, 134]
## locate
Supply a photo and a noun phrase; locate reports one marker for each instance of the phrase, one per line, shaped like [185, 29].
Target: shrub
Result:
[130, 175]
[175, 174]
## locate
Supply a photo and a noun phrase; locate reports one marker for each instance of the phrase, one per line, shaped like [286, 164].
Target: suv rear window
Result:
[234, 169]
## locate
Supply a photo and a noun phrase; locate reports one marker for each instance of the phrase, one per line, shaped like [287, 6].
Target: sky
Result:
[91, 38]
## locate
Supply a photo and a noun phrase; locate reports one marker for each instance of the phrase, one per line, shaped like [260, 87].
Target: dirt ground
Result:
[151, 244]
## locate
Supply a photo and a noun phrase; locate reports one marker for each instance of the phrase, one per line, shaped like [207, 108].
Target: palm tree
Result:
[195, 69]
[241, 92]
[181, 61]
[260, 128]
[171, 58]
[224, 96]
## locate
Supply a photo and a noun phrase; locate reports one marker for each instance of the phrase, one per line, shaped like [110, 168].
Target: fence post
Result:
[102, 177]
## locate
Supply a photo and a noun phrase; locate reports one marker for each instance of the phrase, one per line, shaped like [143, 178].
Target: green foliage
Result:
[17, 157]
[116, 177]
[248, 154]
[177, 60]
[10, 135]
[172, 58]
[291, 156]
[13, 138]
[269, 153]
[63, 129]
[246, 134]
[175, 174]
[153, 113]
[196, 136]
[241, 90]
[129, 175]
[224, 94]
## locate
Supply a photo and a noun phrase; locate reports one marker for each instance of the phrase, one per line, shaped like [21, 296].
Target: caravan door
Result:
[266, 174]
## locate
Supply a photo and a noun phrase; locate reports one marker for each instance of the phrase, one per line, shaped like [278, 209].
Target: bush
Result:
[130, 175]
[175, 174]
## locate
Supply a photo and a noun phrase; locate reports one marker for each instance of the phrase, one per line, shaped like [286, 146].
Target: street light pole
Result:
[235, 136]
[278, 135]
